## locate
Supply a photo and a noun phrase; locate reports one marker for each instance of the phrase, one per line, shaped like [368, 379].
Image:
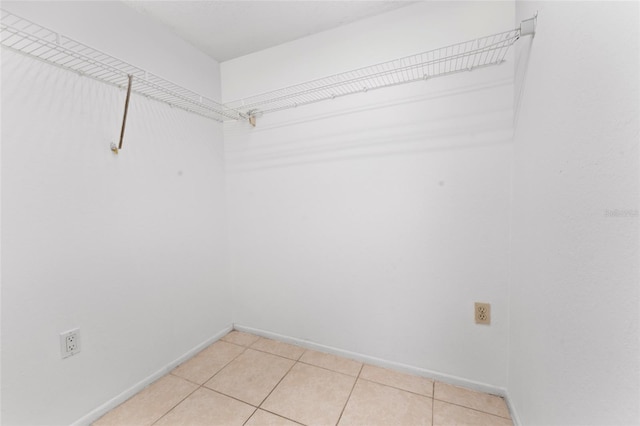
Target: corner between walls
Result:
[441, 377]
[100, 411]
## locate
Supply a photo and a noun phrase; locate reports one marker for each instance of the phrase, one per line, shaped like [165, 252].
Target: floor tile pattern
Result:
[244, 379]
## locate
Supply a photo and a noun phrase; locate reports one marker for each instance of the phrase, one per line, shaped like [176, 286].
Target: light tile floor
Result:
[244, 379]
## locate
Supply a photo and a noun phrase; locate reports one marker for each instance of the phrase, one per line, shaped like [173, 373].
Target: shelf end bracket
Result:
[528, 26]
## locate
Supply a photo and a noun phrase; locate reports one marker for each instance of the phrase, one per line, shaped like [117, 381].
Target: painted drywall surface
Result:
[574, 353]
[372, 223]
[130, 248]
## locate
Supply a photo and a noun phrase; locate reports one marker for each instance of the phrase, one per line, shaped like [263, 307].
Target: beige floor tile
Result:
[263, 418]
[310, 395]
[477, 400]
[208, 362]
[150, 404]
[332, 362]
[251, 376]
[205, 407]
[373, 404]
[408, 382]
[278, 348]
[445, 414]
[240, 338]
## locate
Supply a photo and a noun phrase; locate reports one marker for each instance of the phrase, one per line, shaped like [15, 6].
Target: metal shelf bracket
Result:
[528, 26]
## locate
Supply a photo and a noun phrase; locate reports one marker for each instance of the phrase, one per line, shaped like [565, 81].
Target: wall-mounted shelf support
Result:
[528, 26]
[124, 119]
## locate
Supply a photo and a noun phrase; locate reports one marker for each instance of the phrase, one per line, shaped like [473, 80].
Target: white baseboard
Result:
[119, 399]
[441, 377]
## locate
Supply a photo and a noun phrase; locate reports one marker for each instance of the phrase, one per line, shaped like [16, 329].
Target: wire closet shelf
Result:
[29, 38]
[465, 56]
[24, 36]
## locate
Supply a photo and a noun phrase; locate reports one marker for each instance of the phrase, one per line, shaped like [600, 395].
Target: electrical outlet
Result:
[483, 313]
[70, 343]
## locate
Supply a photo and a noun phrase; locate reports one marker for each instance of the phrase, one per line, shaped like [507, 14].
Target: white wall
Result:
[130, 248]
[372, 223]
[573, 352]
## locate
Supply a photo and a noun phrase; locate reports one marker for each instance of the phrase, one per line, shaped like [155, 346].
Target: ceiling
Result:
[228, 29]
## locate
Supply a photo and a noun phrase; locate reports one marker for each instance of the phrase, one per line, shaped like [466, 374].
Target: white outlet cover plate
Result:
[64, 352]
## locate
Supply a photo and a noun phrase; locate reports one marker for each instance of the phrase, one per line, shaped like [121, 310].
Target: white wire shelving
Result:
[466, 56]
[24, 36]
[29, 38]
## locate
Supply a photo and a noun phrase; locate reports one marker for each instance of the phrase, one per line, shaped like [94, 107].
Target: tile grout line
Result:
[355, 382]
[433, 400]
[277, 384]
[397, 388]
[304, 350]
[179, 402]
[200, 386]
[229, 396]
[299, 359]
[333, 371]
[245, 348]
[281, 416]
[249, 418]
[474, 409]
[471, 408]
[225, 365]
[184, 378]
[239, 344]
[271, 353]
[279, 342]
[259, 406]
[221, 368]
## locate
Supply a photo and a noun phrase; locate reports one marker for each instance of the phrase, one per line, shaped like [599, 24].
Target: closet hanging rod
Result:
[466, 56]
[26, 37]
